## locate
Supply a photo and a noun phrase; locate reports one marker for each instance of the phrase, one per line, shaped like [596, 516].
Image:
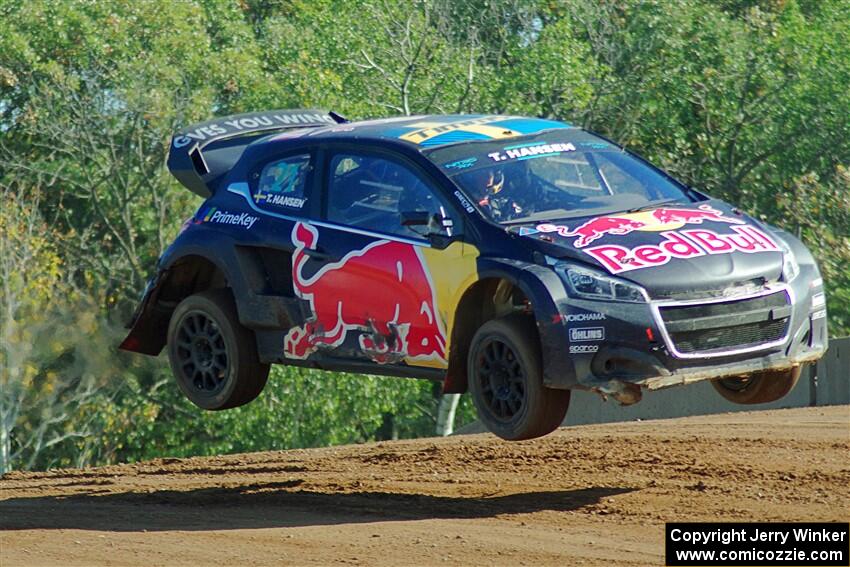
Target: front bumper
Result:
[609, 346]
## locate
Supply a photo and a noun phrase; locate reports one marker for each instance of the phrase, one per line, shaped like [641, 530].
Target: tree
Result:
[101, 164]
[819, 213]
[46, 373]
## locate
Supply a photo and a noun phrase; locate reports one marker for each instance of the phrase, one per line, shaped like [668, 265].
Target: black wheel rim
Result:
[501, 378]
[202, 353]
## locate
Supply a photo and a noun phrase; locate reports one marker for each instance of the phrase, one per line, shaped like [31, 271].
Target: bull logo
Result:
[691, 216]
[383, 292]
[600, 226]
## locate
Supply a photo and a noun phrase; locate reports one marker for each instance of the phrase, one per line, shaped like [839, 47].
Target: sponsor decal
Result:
[594, 145]
[394, 318]
[584, 334]
[579, 317]
[461, 164]
[214, 215]
[528, 151]
[657, 220]
[681, 244]
[685, 244]
[283, 200]
[426, 130]
[464, 202]
[819, 315]
[248, 123]
[583, 349]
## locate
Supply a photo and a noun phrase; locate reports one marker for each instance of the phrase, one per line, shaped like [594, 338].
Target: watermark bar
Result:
[763, 544]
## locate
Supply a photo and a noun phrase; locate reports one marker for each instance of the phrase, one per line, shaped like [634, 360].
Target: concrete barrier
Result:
[830, 378]
[822, 384]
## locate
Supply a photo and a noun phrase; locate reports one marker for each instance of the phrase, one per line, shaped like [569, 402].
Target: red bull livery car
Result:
[516, 258]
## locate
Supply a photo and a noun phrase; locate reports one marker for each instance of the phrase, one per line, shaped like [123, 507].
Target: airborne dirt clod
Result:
[591, 495]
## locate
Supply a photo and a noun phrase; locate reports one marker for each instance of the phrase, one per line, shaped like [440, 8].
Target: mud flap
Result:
[146, 334]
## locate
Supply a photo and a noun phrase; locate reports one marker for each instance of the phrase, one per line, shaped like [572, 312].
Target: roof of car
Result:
[429, 131]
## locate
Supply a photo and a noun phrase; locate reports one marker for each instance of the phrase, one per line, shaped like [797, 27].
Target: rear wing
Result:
[201, 153]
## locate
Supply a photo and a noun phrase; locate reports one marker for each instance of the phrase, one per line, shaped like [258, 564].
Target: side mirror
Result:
[438, 229]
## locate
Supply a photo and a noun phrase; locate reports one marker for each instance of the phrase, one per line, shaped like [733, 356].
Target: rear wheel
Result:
[213, 357]
[760, 387]
[506, 381]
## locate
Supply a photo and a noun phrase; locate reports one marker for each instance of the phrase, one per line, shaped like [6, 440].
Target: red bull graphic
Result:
[596, 228]
[683, 244]
[691, 216]
[383, 292]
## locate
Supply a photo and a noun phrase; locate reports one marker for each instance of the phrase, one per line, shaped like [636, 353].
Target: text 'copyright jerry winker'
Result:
[763, 544]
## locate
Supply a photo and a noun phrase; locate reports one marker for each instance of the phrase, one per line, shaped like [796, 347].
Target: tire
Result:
[506, 381]
[213, 357]
[760, 387]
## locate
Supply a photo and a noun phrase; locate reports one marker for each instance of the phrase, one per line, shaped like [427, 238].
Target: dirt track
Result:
[582, 496]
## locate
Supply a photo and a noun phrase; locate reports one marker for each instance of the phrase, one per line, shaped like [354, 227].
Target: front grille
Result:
[729, 325]
[730, 337]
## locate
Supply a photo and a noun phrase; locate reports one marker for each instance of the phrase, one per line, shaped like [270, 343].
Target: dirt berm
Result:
[591, 495]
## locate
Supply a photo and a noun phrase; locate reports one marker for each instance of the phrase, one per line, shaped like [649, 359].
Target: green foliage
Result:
[820, 214]
[299, 408]
[747, 100]
[144, 419]
[55, 348]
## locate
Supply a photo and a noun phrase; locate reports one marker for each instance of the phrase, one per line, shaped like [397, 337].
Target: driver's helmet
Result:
[496, 194]
[490, 182]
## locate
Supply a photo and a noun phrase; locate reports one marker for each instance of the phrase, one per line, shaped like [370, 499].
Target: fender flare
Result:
[213, 247]
[544, 288]
[256, 311]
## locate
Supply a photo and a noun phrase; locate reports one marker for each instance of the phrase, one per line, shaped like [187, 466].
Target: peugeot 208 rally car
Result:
[518, 258]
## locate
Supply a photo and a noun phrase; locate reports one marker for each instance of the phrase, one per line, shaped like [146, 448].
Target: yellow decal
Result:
[428, 130]
[452, 271]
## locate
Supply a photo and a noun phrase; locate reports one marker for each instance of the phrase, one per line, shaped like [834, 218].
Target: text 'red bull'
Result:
[683, 244]
[382, 291]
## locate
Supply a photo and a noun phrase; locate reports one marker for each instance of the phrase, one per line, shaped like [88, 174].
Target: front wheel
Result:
[506, 381]
[760, 387]
[213, 357]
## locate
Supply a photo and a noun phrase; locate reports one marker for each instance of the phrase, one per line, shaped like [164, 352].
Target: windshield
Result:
[554, 175]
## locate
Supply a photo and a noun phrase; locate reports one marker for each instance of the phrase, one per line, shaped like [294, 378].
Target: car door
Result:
[378, 289]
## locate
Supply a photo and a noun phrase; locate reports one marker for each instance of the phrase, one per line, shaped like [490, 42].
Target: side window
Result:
[371, 192]
[282, 184]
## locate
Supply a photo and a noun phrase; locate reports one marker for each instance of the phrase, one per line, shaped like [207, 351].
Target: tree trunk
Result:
[446, 414]
[5, 450]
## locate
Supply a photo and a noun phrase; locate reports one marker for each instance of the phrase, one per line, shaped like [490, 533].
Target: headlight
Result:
[588, 284]
[790, 267]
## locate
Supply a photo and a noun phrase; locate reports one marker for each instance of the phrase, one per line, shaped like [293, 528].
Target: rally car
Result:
[517, 258]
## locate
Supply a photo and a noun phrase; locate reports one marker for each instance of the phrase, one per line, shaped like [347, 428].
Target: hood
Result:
[667, 250]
